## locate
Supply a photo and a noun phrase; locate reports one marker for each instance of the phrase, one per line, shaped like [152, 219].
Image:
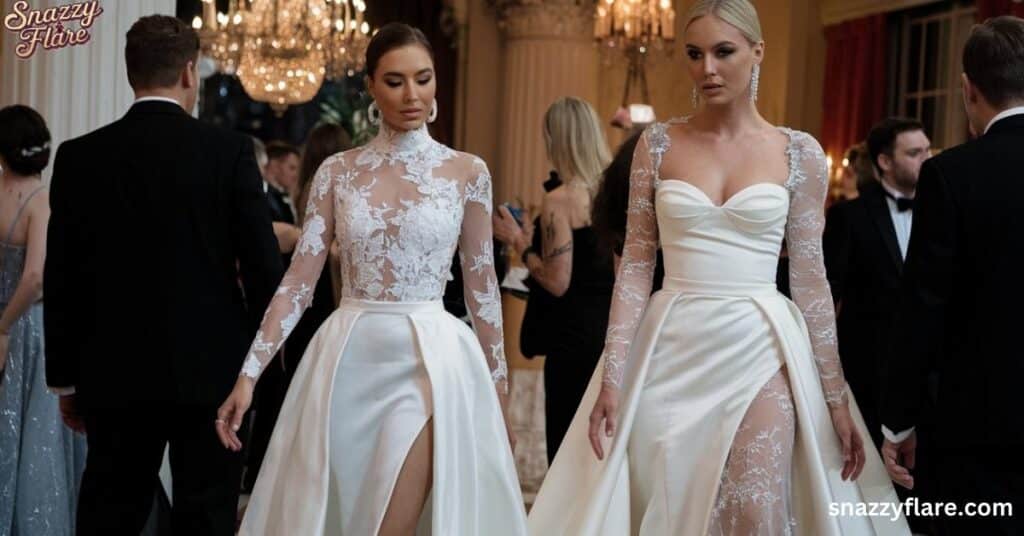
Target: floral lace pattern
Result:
[398, 207]
[807, 185]
[754, 492]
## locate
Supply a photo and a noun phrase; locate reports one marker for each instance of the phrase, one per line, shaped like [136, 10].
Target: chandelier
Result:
[281, 65]
[283, 50]
[634, 24]
[222, 35]
[349, 36]
[634, 27]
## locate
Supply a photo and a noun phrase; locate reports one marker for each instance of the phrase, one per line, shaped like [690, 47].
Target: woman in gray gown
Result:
[41, 459]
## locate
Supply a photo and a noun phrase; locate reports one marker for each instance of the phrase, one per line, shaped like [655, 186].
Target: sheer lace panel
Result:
[397, 207]
[754, 493]
[636, 270]
[808, 187]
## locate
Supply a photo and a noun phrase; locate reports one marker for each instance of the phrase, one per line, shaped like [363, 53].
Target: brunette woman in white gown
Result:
[393, 421]
[721, 407]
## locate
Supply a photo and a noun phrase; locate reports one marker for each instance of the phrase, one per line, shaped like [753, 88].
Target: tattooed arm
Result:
[553, 268]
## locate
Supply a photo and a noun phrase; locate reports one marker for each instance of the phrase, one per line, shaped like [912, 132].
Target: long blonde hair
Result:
[575, 142]
[738, 13]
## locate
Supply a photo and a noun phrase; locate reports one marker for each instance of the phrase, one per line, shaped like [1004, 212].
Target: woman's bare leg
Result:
[412, 487]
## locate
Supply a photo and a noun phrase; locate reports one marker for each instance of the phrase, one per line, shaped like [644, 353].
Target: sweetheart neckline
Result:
[732, 197]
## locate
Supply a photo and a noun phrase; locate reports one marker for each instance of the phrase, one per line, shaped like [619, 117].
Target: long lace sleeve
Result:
[807, 278]
[635, 277]
[295, 292]
[480, 283]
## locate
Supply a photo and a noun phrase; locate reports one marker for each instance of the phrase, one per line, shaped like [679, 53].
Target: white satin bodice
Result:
[696, 234]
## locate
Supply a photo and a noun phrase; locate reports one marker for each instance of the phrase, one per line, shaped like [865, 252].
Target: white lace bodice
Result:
[735, 243]
[397, 207]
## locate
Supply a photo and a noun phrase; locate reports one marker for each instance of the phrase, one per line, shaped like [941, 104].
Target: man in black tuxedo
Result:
[282, 177]
[865, 242]
[146, 323]
[962, 297]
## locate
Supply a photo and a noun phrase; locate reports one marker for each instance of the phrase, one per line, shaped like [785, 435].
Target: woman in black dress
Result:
[570, 266]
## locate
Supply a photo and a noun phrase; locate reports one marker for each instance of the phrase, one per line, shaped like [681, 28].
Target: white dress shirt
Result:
[901, 221]
[163, 99]
[1019, 110]
[1003, 115]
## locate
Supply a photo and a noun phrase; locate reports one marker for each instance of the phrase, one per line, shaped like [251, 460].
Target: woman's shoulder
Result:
[470, 166]
[802, 141]
[39, 192]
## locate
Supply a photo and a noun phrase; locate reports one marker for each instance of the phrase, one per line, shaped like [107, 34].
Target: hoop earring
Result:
[755, 80]
[373, 114]
[433, 113]
[695, 98]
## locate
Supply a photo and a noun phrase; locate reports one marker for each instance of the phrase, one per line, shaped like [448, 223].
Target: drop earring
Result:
[755, 80]
[695, 98]
[433, 112]
[373, 114]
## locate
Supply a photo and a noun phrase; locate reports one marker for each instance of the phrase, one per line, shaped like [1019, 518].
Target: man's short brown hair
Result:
[994, 59]
[157, 49]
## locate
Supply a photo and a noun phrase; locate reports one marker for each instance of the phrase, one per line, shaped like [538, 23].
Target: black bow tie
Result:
[903, 204]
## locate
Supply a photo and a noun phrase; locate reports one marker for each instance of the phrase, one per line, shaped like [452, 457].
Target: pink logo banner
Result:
[48, 27]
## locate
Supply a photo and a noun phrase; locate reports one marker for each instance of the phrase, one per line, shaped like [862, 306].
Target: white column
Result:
[549, 53]
[79, 88]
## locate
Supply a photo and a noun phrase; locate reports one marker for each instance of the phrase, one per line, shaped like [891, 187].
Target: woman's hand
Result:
[604, 415]
[508, 231]
[853, 445]
[231, 412]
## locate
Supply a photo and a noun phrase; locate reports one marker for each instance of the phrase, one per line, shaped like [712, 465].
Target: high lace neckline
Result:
[392, 140]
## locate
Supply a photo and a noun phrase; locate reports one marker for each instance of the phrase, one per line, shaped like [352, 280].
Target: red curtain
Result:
[994, 8]
[855, 82]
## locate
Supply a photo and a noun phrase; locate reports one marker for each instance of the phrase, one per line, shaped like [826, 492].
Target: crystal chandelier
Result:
[634, 27]
[345, 46]
[281, 63]
[222, 35]
[639, 24]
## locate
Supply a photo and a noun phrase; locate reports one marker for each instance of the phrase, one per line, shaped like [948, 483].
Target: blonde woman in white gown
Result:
[721, 407]
[393, 421]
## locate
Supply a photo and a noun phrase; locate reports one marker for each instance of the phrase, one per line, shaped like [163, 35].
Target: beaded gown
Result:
[41, 459]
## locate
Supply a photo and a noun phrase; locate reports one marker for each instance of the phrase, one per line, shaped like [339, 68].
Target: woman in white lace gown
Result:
[721, 407]
[393, 421]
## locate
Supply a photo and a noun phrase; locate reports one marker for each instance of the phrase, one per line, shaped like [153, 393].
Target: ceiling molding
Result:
[836, 11]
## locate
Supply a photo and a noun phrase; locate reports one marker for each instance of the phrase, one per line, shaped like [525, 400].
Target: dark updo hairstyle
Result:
[391, 36]
[24, 140]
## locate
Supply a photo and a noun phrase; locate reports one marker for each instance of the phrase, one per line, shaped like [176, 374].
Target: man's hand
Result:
[69, 413]
[899, 460]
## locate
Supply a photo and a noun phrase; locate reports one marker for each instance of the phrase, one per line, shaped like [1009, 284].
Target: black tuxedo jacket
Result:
[155, 220]
[962, 296]
[279, 209]
[864, 265]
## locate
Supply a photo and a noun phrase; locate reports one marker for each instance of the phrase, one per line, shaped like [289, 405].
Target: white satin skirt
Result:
[701, 355]
[370, 379]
